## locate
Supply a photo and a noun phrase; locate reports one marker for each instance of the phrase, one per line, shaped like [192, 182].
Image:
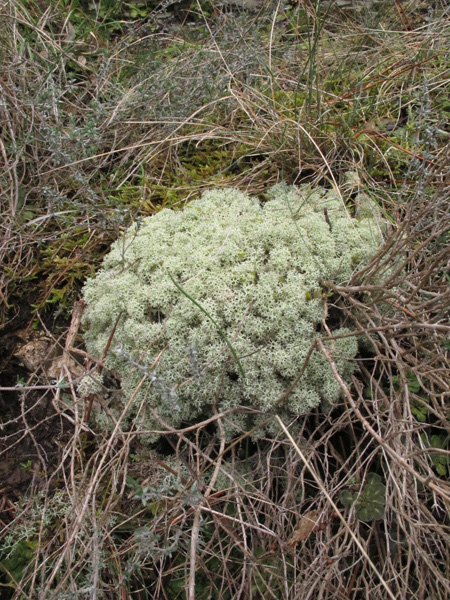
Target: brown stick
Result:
[100, 367]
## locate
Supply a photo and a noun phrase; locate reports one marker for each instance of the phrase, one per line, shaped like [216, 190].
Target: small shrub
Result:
[227, 271]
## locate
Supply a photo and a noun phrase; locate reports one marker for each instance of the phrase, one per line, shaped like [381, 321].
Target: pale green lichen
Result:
[90, 384]
[256, 269]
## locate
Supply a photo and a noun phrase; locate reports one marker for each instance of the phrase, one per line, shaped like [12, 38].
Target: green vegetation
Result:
[115, 118]
[370, 503]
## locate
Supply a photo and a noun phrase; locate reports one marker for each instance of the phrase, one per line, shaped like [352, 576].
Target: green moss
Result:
[198, 166]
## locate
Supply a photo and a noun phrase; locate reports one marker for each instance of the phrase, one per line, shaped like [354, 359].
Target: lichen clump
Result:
[256, 269]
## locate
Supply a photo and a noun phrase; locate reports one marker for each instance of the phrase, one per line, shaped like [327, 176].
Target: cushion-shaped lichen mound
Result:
[255, 269]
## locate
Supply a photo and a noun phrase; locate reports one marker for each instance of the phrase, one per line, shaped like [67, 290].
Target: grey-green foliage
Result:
[256, 269]
[40, 516]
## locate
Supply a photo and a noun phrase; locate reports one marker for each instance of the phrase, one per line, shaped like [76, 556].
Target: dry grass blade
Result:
[336, 510]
